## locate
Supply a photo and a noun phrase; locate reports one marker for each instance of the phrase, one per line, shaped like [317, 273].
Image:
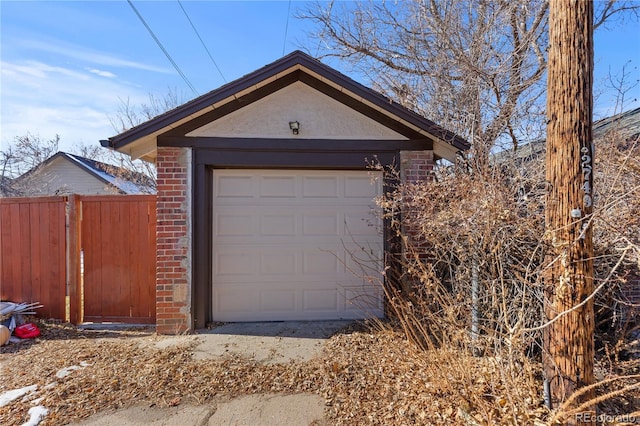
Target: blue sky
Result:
[66, 65]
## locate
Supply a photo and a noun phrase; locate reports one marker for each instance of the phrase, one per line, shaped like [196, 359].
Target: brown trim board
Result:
[296, 145]
[292, 67]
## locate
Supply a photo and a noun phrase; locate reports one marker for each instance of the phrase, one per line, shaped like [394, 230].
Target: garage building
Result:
[266, 201]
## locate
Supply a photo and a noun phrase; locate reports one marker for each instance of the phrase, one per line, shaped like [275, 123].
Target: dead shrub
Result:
[469, 255]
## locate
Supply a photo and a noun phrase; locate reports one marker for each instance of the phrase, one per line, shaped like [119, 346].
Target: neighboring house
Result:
[265, 197]
[626, 123]
[65, 173]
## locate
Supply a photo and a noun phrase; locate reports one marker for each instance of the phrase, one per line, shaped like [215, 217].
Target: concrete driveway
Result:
[264, 342]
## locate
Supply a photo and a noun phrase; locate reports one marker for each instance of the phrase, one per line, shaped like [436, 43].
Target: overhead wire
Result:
[286, 28]
[177, 68]
[201, 41]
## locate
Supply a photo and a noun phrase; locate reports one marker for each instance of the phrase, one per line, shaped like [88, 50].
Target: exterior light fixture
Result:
[295, 127]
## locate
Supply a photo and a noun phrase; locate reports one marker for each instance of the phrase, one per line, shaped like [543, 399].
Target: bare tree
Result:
[130, 115]
[21, 162]
[7, 160]
[622, 83]
[27, 152]
[475, 66]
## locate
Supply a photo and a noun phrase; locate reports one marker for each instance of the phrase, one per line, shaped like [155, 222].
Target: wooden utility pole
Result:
[568, 341]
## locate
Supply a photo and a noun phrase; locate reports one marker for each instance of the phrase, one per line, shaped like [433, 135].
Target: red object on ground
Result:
[27, 331]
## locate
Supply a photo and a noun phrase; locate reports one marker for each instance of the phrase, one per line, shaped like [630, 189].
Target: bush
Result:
[469, 255]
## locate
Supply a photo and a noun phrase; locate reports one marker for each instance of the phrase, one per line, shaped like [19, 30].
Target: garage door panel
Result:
[277, 187]
[278, 263]
[229, 302]
[287, 245]
[278, 225]
[241, 186]
[253, 261]
[357, 225]
[366, 299]
[320, 187]
[364, 260]
[314, 224]
[230, 263]
[325, 260]
[360, 187]
[319, 262]
[277, 301]
[320, 300]
[233, 225]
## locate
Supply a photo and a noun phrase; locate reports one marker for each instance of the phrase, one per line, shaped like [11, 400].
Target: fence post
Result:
[74, 282]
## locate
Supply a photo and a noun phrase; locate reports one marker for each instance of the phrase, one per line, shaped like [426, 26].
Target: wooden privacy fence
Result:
[85, 258]
[33, 252]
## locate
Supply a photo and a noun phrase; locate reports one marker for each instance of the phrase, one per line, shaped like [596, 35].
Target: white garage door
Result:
[295, 245]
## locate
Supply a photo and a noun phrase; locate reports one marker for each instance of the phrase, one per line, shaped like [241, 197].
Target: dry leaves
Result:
[366, 377]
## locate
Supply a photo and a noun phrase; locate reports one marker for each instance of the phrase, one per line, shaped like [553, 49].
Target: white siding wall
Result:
[61, 177]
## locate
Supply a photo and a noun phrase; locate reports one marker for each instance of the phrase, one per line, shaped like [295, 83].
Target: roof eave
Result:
[290, 63]
[202, 102]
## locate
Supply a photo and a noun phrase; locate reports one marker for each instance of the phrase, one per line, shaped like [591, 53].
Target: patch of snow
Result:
[11, 395]
[28, 397]
[37, 400]
[85, 364]
[36, 414]
[64, 372]
[124, 185]
[50, 385]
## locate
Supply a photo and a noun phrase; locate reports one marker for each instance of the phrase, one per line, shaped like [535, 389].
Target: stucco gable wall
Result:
[320, 117]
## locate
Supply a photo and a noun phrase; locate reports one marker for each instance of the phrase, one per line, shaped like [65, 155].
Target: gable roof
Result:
[140, 141]
[122, 180]
[627, 122]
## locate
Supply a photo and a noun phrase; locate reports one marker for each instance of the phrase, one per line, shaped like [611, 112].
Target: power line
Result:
[177, 68]
[201, 41]
[286, 28]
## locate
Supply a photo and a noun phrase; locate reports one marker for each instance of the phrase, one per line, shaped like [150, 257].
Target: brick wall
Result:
[173, 282]
[416, 165]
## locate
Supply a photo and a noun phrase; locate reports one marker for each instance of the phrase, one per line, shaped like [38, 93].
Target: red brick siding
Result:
[416, 165]
[173, 304]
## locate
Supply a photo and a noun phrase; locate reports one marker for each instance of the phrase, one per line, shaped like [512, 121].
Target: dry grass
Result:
[126, 369]
[367, 375]
[388, 381]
